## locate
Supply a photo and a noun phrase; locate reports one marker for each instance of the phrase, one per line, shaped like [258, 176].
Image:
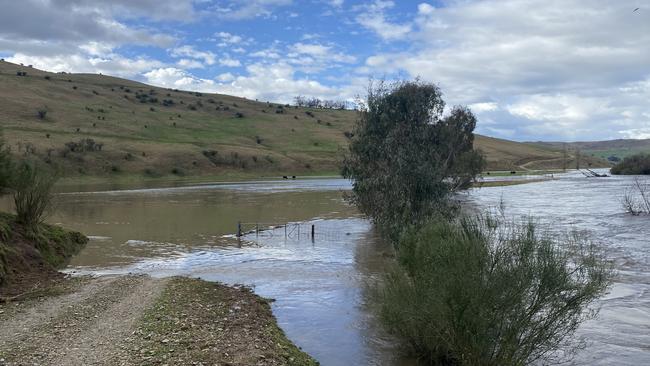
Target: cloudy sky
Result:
[529, 69]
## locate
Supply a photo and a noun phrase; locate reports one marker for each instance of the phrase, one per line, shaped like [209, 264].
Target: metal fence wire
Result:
[290, 231]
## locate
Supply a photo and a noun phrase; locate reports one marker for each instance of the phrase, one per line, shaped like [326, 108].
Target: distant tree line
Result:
[638, 164]
[301, 101]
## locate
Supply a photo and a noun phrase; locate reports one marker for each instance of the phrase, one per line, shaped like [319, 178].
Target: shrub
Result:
[481, 292]
[6, 167]
[258, 139]
[239, 115]
[83, 145]
[636, 198]
[42, 113]
[638, 164]
[178, 171]
[32, 193]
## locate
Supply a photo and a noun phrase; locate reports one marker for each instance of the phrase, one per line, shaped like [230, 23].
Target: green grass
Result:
[619, 153]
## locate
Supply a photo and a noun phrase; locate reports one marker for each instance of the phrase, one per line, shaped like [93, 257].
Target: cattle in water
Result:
[285, 177]
[513, 172]
[293, 177]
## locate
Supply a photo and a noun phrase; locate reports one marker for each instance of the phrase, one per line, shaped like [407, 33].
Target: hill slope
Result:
[95, 125]
[618, 149]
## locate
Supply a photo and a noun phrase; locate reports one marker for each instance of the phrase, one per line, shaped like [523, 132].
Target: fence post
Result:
[239, 229]
[285, 231]
[312, 231]
[257, 229]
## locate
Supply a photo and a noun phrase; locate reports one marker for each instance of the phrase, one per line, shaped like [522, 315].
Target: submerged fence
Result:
[290, 231]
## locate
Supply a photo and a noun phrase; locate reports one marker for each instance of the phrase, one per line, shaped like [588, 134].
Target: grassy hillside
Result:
[137, 130]
[619, 148]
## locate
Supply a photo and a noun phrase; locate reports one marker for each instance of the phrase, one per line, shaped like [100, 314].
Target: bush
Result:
[42, 113]
[6, 167]
[83, 145]
[481, 292]
[638, 164]
[636, 198]
[32, 193]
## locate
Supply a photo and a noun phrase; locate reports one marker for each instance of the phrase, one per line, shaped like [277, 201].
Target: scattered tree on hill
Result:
[405, 158]
[42, 113]
[301, 101]
[83, 145]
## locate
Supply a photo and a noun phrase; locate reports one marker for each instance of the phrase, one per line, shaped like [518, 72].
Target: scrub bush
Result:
[485, 292]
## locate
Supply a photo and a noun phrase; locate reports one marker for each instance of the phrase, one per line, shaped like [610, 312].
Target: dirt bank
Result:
[138, 320]
[29, 258]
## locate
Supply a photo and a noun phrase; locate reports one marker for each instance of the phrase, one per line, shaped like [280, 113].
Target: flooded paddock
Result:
[321, 284]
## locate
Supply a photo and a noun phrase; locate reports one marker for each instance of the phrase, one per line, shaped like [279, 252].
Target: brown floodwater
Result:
[320, 285]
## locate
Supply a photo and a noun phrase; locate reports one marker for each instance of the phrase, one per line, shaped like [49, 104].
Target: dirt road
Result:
[138, 320]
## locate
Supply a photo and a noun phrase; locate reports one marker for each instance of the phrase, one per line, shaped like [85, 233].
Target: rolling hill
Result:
[609, 149]
[100, 126]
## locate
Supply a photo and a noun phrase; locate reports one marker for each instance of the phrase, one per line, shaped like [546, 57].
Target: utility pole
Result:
[565, 157]
[577, 158]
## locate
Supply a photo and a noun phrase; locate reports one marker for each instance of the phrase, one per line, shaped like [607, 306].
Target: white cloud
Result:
[226, 77]
[229, 62]
[247, 9]
[373, 17]
[113, 64]
[564, 68]
[189, 64]
[206, 57]
[226, 39]
[178, 79]
[483, 107]
[276, 82]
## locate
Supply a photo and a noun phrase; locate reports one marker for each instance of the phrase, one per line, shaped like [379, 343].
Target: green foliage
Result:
[484, 292]
[6, 167]
[406, 159]
[638, 164]
[32, 193]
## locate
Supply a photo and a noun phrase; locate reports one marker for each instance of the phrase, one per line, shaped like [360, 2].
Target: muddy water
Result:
[320, 286]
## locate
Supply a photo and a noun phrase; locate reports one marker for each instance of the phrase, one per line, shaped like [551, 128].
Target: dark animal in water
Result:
[513, 172]
[285, 177]
[293, 177]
